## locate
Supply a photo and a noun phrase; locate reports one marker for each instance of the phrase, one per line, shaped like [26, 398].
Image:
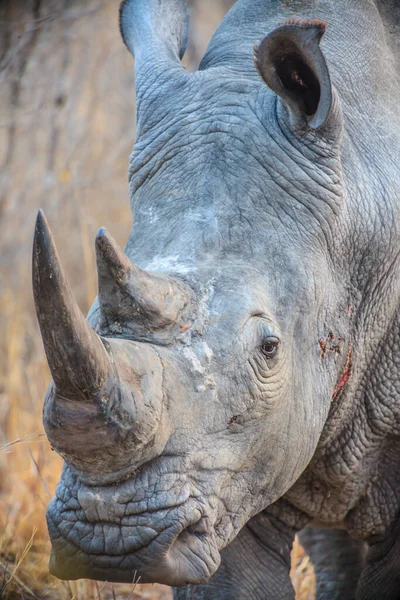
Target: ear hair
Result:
[321, 25]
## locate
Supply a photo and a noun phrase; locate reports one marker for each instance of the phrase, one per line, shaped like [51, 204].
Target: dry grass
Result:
[66, 131]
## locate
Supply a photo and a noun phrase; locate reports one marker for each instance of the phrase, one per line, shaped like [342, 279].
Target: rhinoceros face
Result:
[198, 396]
[242, 403]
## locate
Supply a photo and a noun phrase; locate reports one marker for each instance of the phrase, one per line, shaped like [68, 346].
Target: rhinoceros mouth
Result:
[185, 551]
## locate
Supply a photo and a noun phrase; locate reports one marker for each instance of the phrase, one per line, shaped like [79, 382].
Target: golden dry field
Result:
[66, 131]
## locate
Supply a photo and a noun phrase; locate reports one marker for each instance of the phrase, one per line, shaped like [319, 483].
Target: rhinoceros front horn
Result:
[76, 355]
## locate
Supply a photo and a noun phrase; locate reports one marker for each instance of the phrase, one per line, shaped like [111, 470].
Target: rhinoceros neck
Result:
[353, 479]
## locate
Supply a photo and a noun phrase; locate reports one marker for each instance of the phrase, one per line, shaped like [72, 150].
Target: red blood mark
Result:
[323, 345]
[345, 375]
[328, 345]
[185, 326]
[233, 419]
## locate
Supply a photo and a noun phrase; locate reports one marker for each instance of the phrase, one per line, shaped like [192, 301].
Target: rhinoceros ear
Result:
[155, 31]
[290, 61]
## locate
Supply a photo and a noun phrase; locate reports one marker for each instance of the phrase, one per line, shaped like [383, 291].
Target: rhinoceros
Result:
[237, 379]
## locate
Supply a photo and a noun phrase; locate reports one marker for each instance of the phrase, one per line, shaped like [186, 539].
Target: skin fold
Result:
[239, 379]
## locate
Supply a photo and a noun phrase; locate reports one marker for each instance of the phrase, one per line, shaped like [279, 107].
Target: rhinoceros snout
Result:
[174, 546]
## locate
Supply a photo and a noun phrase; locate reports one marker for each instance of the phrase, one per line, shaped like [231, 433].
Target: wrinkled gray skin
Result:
[284, 226]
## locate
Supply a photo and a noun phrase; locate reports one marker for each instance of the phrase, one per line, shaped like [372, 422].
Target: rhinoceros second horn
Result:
[151, 299]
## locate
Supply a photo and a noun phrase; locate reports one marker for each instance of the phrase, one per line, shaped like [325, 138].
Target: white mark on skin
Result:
[150, 212]
[196, 365]
[208, 352]
[168, 263]
[203, 313]
[210, 382]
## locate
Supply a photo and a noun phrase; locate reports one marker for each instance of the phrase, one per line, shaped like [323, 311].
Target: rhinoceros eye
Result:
[270, 347]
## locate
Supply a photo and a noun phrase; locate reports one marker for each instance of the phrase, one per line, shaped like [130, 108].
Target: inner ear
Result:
[291, 63]
[298, 79]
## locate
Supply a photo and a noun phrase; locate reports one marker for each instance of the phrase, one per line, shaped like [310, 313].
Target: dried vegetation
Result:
[66, 131]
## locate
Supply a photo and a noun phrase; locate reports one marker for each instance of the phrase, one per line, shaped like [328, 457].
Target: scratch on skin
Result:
[233, 419]
[323, 346]
[345, 375]
[329, 345]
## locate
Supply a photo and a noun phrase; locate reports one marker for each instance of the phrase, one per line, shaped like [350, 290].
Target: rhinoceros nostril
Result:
[200, 530]
[202, 526]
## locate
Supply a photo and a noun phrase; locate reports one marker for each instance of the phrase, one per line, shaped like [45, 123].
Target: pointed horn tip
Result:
[106, 246]
[104, 239]
[41, 222]
[102, 233]
[40, 215]
[43, 240]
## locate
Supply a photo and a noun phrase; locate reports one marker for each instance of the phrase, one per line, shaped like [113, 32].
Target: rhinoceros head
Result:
[197, 394]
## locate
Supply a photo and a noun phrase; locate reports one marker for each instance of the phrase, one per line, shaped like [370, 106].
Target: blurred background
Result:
[67, 127]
